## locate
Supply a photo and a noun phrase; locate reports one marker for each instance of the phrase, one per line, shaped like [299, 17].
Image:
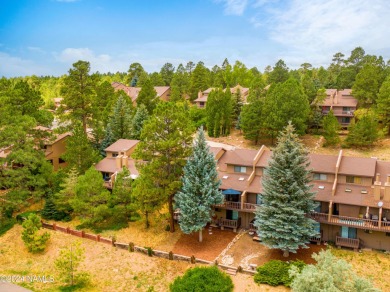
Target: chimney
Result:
[386, 197]
[118, 160]
[200, 94]
[336, 97]
[377, 188]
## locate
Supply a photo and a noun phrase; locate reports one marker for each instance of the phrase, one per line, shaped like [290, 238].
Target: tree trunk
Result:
[85, 124]
[171, 222]
[286, 253]
[200, 235]
[147, 219]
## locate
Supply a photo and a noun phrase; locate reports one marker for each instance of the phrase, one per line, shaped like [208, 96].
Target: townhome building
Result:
[118, 155]
[203, 95]
[342, 103]
[353, 193]
[163, 92]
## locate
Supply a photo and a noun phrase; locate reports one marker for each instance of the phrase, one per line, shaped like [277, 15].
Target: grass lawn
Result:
[373, 265]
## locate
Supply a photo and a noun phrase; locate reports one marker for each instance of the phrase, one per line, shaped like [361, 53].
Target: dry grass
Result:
[373, 265]
[314, 143]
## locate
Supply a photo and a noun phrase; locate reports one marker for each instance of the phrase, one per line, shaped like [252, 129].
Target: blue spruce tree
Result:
[287, 197]
[200, 188]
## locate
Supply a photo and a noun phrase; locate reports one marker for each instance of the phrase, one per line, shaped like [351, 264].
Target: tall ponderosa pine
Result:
[200, 188]
[251, 119]
[219, 112]
[383, 104]
[78, 92]
[364, 132]
[287, 197]
[165, 143]
[147, 96]
[119, 126]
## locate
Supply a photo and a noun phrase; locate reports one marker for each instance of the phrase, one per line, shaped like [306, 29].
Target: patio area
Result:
[213, 243]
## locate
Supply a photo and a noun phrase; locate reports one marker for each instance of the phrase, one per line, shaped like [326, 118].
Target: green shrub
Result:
[6, 225]
[275, 272]
[34, 241]
[209, 279]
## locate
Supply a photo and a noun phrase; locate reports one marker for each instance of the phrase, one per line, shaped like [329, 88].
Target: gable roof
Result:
[121, 144]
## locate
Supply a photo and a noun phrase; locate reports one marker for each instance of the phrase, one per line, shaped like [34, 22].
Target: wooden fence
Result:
[145, 250]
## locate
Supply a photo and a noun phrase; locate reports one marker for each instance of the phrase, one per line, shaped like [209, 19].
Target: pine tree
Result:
[287, 198]
[165, 143]
[148, 96]
[121, 118]
[364, 132]
[383, 104]
[331, 128]
[140, 117]
[34, 241]
[79, 151]
[251, 120]
[200, 188]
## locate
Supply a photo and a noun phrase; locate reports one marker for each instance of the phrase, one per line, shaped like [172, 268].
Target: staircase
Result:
[231, 271]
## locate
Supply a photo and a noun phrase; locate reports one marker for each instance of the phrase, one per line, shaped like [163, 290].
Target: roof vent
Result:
[321, 187]
[348, 190]
[241, 178]
[364, 192]
[225, 177]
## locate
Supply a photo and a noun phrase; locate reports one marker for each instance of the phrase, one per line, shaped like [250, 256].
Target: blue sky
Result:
[44, 37]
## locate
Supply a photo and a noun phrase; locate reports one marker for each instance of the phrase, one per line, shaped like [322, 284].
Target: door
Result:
[231, 215]
[348, 232]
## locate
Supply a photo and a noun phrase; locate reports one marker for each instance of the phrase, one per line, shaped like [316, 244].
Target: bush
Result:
[34, 241]
[276, 272]
[50, 212]
[203, 279]
[6, 225]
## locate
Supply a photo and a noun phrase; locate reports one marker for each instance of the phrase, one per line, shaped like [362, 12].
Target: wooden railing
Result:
[237, 206]
[347, 242]
[251, 226]
[230, 223]
[316, 239]
[351, 221]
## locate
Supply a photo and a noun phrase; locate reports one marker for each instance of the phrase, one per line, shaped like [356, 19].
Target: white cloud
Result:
[16, 66]
[234, 7]
[332, 24]
[36, 49]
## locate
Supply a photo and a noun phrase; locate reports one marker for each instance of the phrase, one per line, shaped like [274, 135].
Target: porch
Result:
[347, 242]
[231, 205]
[229, 223]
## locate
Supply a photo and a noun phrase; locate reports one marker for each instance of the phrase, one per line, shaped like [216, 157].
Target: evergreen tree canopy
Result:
[121, 119]
[165, 143]
[219, 112]
[287, 197]
[200, 188]
[139, 119]
[364, 132]
[252, 118]
[383, 104]
[148, 96]
[331, 128]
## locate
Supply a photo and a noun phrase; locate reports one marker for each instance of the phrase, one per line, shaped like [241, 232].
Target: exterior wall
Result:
[251, 198]
[375, 240]
[259, 171]
[246, 218]
[166, 95]
[349, 210]
[366, 181]
[58, 148]
[128, 152]
[324, 207]
[329, 177]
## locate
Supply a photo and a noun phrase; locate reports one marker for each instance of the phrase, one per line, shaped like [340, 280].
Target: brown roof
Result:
[264, 158]
[323, 163]
[203, 98]
[109, 165]
[357, 166]
[122, 144]
[134, 91]
[58, 138]
[343, 97]
[242, 157]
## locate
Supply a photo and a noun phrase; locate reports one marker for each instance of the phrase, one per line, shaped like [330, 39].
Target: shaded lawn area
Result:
[211, 246]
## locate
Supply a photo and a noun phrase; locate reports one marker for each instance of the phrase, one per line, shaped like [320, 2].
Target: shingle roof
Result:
[121, 144]
[357, 166]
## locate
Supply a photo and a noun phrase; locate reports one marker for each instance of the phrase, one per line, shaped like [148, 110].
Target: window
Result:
[60, 160]
[353, 179]
[241, 169]
[345, 120]
[346, 109]
[201, 104]
[106, 176]
[114, 154]
[320, 176]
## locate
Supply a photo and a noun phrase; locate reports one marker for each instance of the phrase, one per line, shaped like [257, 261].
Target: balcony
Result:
[368, 224]
[247, 207]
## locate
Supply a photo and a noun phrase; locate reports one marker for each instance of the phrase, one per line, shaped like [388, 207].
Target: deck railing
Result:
[347, 242]
[351, 221]
[237, 206]
[230, 223]
[249, 206]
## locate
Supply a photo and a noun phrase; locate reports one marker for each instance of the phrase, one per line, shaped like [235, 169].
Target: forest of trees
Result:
[97, 116]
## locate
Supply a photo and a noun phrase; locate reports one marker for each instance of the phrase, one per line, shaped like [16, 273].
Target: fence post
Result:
[67, 230]
[82, 233]
[54, 226]
[98, 238]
